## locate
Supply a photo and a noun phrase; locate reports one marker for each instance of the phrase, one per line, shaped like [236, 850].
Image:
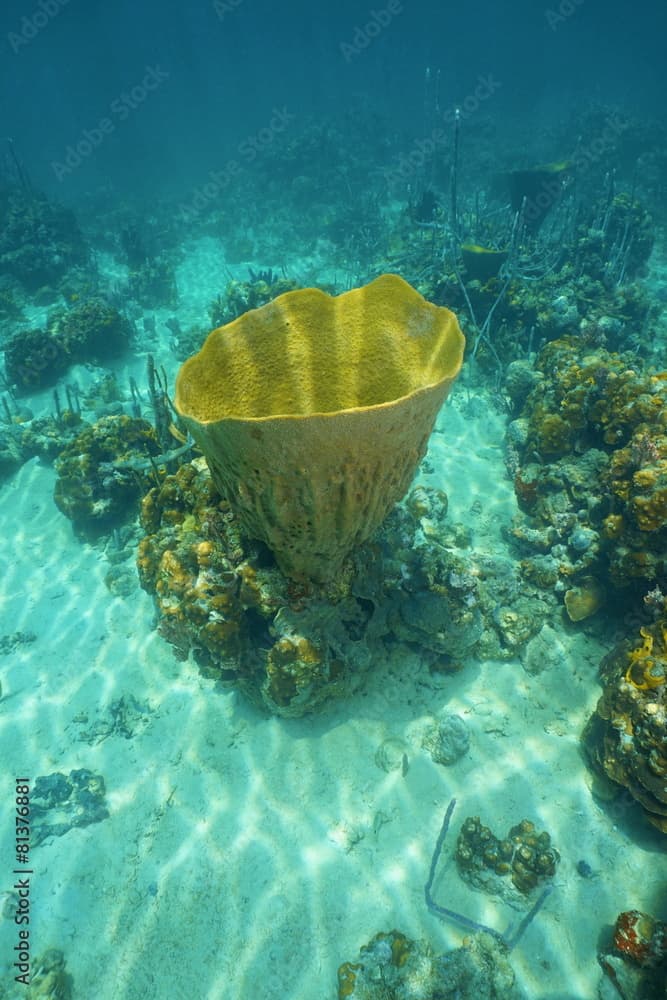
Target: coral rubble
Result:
[393, 965]
[61, 802]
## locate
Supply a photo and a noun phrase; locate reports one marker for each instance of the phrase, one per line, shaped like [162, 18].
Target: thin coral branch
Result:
[443, 911]
[509, 940]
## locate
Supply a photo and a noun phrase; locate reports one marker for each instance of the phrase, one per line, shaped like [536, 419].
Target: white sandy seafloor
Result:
[248, 857]
[278, 848]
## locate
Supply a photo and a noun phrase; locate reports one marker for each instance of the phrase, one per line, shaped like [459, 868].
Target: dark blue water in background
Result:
[224, 68]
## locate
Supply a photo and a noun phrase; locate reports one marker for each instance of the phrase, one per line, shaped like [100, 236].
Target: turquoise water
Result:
[227, 778]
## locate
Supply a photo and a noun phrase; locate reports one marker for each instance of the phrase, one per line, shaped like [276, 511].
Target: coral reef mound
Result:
[626, 738]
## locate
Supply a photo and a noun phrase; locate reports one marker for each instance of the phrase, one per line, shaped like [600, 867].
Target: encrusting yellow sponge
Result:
[314, 411]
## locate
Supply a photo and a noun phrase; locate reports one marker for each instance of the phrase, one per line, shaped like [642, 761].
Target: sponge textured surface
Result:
[314, 411]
